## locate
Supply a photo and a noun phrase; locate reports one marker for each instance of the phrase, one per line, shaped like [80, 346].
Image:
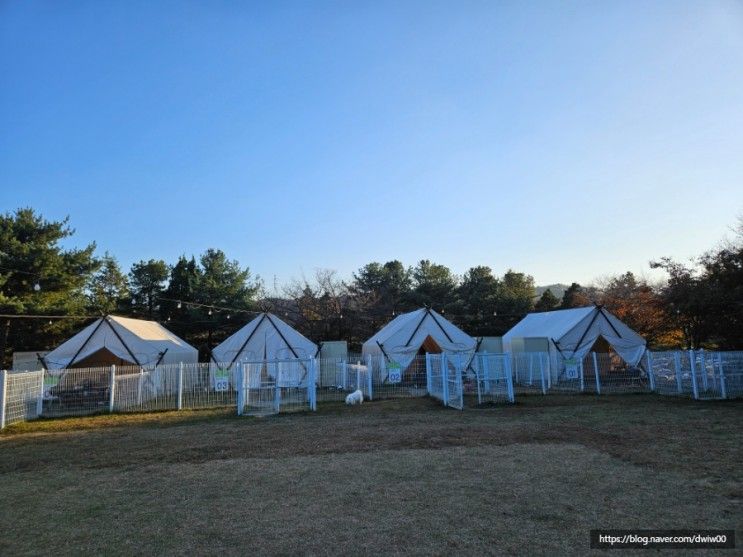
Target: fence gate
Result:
[444, 378]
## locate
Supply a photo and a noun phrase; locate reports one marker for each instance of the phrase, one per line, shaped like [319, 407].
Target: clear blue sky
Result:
[567, 140]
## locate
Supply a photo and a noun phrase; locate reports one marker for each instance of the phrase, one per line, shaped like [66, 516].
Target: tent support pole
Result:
[418, 326]
[441, 326]
[162, 355]
[585, 332]
[84, 344]
[247, 340]
[121, 340]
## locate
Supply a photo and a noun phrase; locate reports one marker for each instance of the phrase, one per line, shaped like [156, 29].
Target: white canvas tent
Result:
[423, 329]
[572, 333]
[121, 341]
[265, 338]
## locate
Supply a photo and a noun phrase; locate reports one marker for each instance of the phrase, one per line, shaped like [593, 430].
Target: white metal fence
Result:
[444, 379]
[339, 376]
[493, 375]
[20, 396]
[262, 387]
[390, 380]
[273, 386]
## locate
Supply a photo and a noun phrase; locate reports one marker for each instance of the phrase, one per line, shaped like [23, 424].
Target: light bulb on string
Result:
[210, 311]
[37, 286]
[179, 304]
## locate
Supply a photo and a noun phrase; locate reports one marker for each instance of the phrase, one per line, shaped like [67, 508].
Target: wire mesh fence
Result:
[699, 374]
[493, 376]
[530, 372]
[391, 380]
[444, 378]
[274, 386]
[337, 377]
[20, 396]
[265, 387]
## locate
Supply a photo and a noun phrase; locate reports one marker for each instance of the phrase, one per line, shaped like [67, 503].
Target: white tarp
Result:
[265, 338]
[401, 339]
[572, 333]
[136, 341]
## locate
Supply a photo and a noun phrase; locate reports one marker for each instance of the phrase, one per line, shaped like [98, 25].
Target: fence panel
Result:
[390, 380]
[274, 386]
[444, 378]
[77, 392]
[607, 373]
[710, 384]
[339, 376]
[530, 372]
[729, 373]
[21, 399]
[566, 375]
[146, 390]
[494, 377]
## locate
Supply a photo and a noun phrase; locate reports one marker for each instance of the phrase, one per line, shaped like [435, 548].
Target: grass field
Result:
[386, 477]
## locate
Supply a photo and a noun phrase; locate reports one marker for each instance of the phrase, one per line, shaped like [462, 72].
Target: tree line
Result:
[204, 299]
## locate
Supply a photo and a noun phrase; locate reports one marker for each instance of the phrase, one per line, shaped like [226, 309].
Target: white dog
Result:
[356, 397]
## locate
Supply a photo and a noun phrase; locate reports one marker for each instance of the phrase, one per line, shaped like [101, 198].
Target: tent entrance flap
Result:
[601, 345]
[429, 346]
[102, 357]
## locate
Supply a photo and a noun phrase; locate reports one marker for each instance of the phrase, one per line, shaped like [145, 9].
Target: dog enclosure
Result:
[261, 387]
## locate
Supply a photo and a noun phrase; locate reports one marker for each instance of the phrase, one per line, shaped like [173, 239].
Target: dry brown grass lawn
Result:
[387, 477]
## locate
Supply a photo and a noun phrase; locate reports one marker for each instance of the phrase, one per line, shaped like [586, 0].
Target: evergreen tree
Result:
[39, 276]
[478, 296]
[574, 297]
[108, 289]
[547, 302]
[147, 283]
[434, 286]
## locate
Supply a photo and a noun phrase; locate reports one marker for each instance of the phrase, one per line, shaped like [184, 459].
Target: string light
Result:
[210, 307]
[49, 317]
[37, 287]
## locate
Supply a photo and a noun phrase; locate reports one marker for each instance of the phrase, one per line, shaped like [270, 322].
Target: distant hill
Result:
[557, 289]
